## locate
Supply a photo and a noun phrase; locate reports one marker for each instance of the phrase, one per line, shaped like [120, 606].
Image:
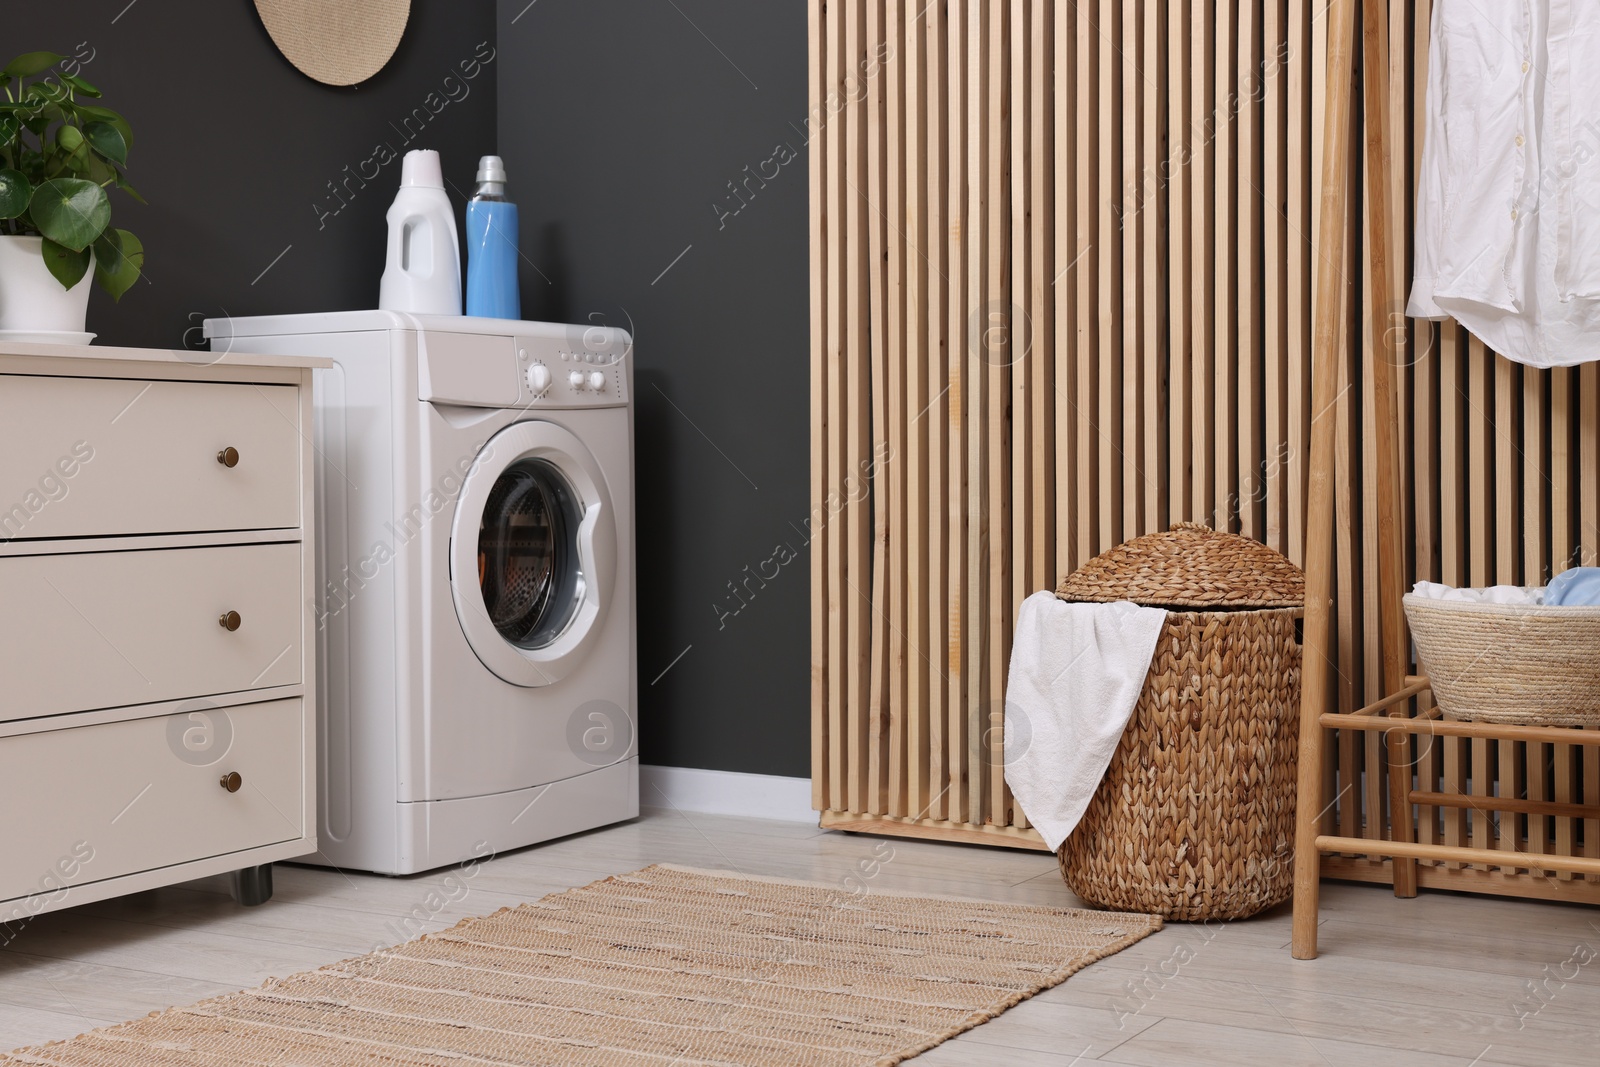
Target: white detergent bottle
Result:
[422, 273]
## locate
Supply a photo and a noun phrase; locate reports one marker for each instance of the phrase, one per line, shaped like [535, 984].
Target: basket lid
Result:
[1190, 566]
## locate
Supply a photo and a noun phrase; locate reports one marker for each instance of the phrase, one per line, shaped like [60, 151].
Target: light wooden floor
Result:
[1440, 980]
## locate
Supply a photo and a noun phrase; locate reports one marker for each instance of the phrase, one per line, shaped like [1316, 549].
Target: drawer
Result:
[95, 802]
[106, 629]
[82, 457]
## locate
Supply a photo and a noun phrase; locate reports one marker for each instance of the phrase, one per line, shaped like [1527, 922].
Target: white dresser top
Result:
[175, 357]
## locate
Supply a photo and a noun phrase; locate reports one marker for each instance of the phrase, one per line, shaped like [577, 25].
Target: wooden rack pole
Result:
[1387, 326]
[1325, 355]
[1414, 687]
[1515, 805]
[1450, 853]
[1489, 731]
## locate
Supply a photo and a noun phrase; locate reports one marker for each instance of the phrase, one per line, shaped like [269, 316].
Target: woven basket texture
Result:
[1190, 566]
[1533, 665]
[1195, 816]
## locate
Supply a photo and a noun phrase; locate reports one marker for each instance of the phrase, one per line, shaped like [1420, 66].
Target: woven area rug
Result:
[663, 966]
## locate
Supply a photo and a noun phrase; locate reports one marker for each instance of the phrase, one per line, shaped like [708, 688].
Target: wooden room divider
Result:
[1061, 296]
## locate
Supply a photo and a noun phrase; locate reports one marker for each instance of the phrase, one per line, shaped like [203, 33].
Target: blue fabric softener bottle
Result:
[492, 246]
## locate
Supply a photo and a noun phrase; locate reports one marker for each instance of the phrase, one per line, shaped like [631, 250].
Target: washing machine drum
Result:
[533, 548]
[527, 558]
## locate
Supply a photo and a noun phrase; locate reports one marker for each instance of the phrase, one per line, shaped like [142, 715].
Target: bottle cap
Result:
[421, 168]
[491, 169]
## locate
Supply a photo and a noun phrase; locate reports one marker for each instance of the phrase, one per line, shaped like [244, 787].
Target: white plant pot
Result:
[30, 297]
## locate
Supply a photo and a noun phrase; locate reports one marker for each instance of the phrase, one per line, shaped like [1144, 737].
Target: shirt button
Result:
[1519, 140]
[1524, 67]
[1513, 214]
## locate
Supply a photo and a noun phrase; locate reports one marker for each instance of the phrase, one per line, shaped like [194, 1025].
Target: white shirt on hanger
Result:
[1508, 209]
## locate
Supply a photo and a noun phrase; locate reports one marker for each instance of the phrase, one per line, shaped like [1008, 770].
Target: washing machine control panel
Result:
[548, 366]
[569, 373]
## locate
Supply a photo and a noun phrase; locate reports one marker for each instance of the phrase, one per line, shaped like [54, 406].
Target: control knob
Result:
[538, 378]
[597, 380]
[575, 379]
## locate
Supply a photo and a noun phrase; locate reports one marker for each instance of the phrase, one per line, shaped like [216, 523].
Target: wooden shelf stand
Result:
[1394, 714]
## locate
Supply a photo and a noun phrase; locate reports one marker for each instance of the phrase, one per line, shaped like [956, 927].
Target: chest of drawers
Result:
[157, 652]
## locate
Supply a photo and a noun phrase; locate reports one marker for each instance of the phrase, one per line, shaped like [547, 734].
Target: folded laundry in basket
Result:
[1576, 585]
[1494, 594]
[1076, 673]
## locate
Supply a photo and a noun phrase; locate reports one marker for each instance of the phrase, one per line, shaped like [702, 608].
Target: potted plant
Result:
[58, 156]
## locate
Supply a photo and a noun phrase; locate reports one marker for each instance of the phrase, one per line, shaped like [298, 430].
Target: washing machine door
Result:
[533, 552]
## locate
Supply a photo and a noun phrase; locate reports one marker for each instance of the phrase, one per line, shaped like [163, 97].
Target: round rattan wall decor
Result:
[336, 43]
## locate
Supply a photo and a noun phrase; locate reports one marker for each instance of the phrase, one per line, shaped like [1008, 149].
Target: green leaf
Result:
[105, 139]
[31, 63]
[14, 193]
[105, 114]
[119, 259]
[122, 183]
[69, 138]
[70, 159]
[97, 170]
[79, 84]
[66, 265]
[53, 92]
[70, 211]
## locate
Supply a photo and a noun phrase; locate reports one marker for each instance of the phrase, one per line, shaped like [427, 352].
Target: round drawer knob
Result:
[229, 621]
[231, 781]
[228, 457]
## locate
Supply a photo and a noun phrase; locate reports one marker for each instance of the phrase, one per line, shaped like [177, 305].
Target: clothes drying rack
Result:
[1395, 713]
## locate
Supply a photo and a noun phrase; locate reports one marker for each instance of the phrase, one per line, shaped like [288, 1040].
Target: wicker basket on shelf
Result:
[1527, 664]
[1195, 816]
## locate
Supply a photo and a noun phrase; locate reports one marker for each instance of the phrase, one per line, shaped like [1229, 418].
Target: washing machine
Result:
[475, 554]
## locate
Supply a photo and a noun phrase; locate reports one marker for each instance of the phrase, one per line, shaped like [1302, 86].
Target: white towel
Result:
[1076, 673]
[1494, 594]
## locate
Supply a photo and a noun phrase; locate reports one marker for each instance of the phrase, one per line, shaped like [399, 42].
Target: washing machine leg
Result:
[252, 885]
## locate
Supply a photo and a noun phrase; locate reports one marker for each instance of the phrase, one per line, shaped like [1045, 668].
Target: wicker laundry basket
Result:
[1527, 664]
[1195, 816]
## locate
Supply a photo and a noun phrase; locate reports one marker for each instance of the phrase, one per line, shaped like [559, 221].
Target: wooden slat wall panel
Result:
[896, 253]
[1271, 482]
[858, 317]
[1300, 120]
[821, 414]
[994, 348]
[1108, 354]
[1180, 239]
[936, 415]
[963, 55]
[1200, 132]
[831, 109]
[1060, 297]
[1153, 253]
[1228, 95]
[1131, 224]
[912, 50]
[1037, 381]
[871, 199]
[1064, 274]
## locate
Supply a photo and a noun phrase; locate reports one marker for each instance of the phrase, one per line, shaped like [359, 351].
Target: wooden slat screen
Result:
[1061, 296]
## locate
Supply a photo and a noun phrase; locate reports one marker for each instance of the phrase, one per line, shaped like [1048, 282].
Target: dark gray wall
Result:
[623, 123]
[234, 149]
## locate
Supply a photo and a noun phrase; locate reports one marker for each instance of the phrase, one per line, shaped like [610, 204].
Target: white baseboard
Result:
[757, 796]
